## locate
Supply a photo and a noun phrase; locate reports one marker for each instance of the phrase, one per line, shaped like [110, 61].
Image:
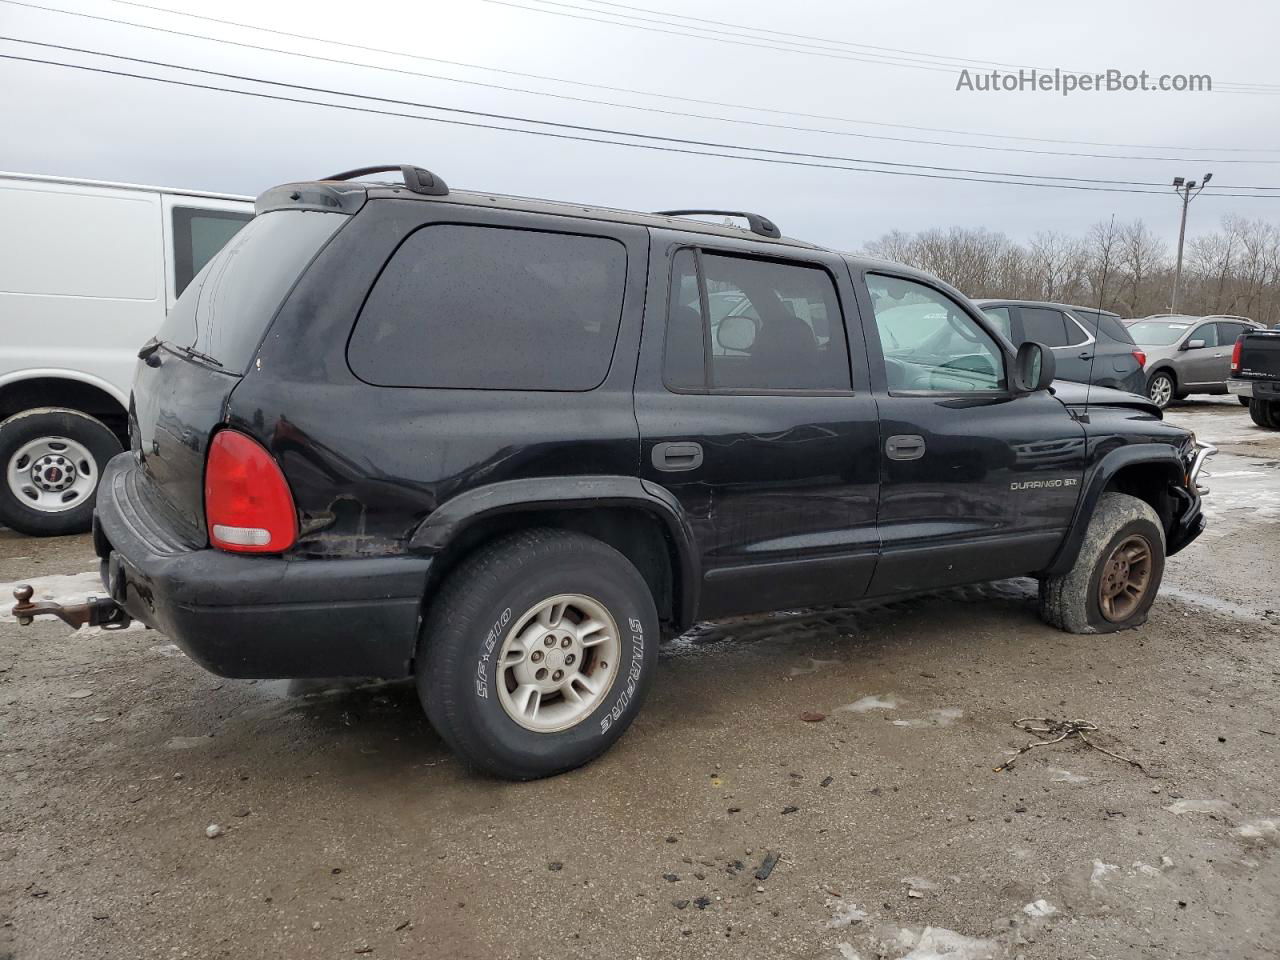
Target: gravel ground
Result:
[347, 829]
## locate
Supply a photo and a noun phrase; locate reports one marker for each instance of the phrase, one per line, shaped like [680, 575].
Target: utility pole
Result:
[1188, 191]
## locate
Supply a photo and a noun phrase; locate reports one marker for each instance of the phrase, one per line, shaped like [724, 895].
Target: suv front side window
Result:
[930, 343]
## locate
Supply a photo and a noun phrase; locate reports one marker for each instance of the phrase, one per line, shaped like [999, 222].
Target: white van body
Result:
[88, 271]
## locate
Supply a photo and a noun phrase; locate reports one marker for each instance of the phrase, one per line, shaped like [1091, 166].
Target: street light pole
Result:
[1187, 190]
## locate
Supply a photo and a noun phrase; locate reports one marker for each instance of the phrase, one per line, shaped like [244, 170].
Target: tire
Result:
[472, 701]
[1161, 389]
[50, 462]
[1074, 601]
[1265, 413]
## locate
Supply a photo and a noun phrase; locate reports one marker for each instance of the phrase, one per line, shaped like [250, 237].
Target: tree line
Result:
[1123, 266]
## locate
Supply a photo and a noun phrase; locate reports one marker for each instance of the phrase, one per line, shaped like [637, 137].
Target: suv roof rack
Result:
[758, 224]
[417, 179]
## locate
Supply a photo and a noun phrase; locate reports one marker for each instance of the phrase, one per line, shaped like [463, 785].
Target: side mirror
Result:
[1033, 368]
[1193, 344]
[736, 333]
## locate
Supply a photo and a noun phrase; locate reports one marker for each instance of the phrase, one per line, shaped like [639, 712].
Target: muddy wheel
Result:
[1161, 390]
[1265, 413]
[1117, 574]
[537, 653]
[50, 462]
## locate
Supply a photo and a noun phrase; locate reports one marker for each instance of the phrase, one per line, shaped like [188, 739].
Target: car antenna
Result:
[1102, 296]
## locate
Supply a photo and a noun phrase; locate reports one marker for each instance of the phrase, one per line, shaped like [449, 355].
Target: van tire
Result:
[1073, 601]
[470, 698]
[58, 425]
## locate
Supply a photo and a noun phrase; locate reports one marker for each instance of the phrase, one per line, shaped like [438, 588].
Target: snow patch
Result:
[1038, 909]
[814, 667]
[1101, 871]
[872, 702]
[1066, 776]
[1211, 807]
[1261, 833]
[939, 943]
[845, 914]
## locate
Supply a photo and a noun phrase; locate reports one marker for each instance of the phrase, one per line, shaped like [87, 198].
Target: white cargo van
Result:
[88, 271]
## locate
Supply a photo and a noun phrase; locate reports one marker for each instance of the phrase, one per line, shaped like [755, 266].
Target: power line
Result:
[926, 57]
[805, 49]
[615, 89]
[677, 113]
[665, 147]
[582, 128]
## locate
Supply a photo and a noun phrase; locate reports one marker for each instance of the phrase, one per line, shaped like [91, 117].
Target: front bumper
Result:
[1189, 520]
[255, 616]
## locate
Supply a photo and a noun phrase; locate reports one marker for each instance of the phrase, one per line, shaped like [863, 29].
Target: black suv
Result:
[505, 445]
[1090, 345]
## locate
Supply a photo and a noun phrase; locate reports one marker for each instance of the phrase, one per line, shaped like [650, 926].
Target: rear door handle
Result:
[905, 447]
[675, 457]
[1085, 355]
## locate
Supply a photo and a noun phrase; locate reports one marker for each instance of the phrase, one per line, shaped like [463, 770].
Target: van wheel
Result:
[1161, 390]
[1117, 574]
[52, 459]
[537, 653]
[1265, 413]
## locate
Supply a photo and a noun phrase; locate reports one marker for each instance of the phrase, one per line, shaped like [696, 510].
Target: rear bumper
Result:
[1258, 389]
[253, 616]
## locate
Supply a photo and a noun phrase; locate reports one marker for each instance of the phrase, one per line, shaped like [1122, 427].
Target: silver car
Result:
[1186, 355]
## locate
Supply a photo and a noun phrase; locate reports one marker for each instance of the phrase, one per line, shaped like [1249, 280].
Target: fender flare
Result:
[447, 521]
[1095, 481]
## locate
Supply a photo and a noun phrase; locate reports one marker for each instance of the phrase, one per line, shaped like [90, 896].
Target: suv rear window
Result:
[225, 311]
[1108, 323]
[492, 308]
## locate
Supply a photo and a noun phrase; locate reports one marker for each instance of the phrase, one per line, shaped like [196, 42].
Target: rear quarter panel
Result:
[366, 463]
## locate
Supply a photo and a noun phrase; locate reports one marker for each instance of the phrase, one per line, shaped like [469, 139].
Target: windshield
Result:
[1158, 332]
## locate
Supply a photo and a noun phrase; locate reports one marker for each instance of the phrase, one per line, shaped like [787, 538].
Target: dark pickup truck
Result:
[1255, 375]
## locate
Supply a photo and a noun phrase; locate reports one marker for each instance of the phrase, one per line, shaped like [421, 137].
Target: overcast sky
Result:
[67, 122]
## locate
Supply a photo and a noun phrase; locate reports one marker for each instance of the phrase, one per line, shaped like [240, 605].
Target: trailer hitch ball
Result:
[94, 612]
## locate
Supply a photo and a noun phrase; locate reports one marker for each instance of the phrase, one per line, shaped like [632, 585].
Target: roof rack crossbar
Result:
[417, 179]
[762, 226]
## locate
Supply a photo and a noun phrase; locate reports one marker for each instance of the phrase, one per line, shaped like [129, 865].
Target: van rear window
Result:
[492, 308]
[225, 311]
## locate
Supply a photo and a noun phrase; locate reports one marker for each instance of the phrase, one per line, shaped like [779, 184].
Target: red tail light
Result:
[247, 503]
[1235, 354]
[1140, 357]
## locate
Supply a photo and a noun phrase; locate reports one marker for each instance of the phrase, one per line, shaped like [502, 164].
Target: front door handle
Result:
[1085, 355]
[675, 457]
[905, 447]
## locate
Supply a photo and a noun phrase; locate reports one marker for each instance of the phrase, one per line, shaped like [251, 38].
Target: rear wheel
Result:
[1265, 413]
[1116, 575]
[52, 459]
[537, 653]
[1161, 389]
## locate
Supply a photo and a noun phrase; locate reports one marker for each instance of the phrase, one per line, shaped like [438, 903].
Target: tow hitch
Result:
[94, 612]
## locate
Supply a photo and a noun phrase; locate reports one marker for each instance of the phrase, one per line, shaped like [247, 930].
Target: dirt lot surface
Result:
[347, 829]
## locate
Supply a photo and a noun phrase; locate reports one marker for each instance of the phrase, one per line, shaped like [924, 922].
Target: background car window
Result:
[1208, 332]
[1158, 333]
[197, 236]
[1045, 326]
[1000, 317]
[686, 345]
[771, 326]
[1228, 332]
[929, 342]
[493, 308]
[1110, 325]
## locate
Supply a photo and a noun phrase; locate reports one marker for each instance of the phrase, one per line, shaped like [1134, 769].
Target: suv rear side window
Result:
[768, 326]
[492, 308]
[225, 311]
[197, 236]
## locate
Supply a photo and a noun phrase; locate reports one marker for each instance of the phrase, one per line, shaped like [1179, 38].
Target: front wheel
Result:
[537, 653]
[1160, 389]
[1116, 575]
[52, 459]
